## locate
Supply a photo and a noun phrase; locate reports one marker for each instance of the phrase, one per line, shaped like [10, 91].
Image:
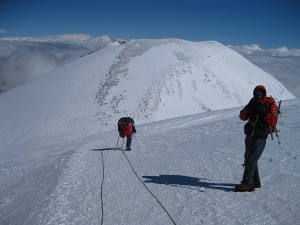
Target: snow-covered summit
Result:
[120, 41]
[158, 79]
[148, 80]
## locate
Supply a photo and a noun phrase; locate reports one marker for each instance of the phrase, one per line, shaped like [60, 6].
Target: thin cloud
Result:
[255, 49]
[282, 63]
[3, 31]
[25, 58]
[59, 38]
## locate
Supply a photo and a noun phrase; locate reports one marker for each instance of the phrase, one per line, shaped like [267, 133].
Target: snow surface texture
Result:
[58, 163]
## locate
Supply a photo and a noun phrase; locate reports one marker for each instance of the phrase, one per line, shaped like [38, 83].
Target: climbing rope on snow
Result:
[170, 217]
[102, 184]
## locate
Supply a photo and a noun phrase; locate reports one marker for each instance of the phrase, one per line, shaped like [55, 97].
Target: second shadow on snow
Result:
[188, 182]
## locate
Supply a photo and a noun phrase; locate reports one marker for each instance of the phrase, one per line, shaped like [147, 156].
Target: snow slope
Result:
[190, 164]
[56, 161]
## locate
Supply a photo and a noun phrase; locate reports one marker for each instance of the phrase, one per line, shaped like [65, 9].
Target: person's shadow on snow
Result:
[188, 182]
[107, 149]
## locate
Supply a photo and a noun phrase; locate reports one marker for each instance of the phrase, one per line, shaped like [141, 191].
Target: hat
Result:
[259, 89]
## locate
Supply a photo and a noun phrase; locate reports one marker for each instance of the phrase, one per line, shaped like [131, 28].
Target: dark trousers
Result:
[128, 141]
[254, 149]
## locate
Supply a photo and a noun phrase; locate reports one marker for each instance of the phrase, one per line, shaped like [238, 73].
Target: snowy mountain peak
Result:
[120, 41]
[149, 80]
[159, 79]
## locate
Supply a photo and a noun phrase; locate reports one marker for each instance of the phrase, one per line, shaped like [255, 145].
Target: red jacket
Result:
[266, 109]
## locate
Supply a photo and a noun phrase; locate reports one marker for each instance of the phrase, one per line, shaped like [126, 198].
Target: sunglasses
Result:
[258, 92]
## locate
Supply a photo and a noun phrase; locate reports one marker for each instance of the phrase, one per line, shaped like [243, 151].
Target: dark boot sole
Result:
[245, 190]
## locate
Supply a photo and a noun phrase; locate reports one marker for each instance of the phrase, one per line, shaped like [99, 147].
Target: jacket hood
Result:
[261, 87]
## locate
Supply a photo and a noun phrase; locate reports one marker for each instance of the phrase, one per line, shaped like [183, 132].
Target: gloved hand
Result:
[263, 109]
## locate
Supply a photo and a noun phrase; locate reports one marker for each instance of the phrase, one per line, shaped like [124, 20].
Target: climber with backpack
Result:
[262, 115]
[126, 128]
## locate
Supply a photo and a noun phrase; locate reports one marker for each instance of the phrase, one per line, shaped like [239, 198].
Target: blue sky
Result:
[269, 23]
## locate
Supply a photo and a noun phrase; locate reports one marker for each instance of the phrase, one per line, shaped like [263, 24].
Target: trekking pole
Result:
[254, 128]
[251, 136]
[279, 142]
[117, 142]
[275, 128]
[137, 144]
[276, 131]
[122, 143]
[270, 130]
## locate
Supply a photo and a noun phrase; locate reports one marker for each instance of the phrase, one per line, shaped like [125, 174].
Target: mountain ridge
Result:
[146, 79]
[186, 71]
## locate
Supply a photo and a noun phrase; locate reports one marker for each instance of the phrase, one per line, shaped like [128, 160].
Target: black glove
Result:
[263, 109]
[252, 104]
